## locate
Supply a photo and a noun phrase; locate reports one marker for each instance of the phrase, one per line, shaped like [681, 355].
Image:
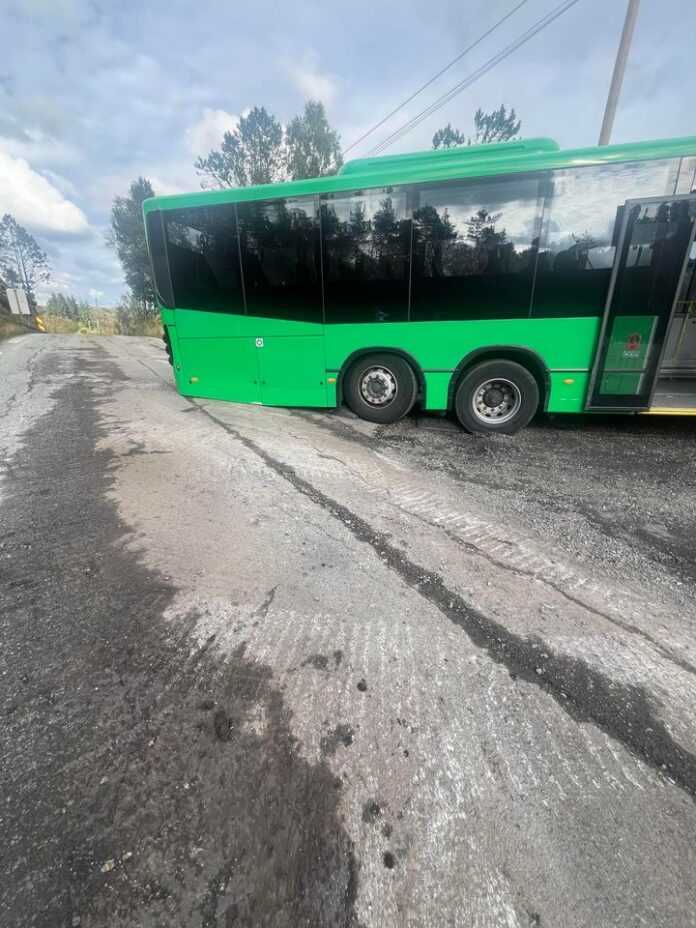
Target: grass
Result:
[8, 327]
[101, 322]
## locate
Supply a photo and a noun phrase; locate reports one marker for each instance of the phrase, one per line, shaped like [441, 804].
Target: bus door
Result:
[652, 257]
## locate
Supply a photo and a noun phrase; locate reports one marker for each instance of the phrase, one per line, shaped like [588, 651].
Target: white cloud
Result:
[66, 187]
[34, 201]
[59, 282]
[312, 83]
[207, 133]
[167, 188]
[35, 145]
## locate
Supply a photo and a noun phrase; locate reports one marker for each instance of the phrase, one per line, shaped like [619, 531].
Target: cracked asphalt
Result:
[282, 667]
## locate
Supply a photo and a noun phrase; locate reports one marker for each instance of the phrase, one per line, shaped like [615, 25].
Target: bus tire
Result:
[380, 388]
[496, 396]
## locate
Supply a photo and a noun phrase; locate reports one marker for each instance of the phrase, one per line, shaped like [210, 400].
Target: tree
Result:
[66, 307]
[251, 154]
[496, 126]
[23, 263]
[313, 147]
[258, 151]
[130, 319]
[127, 236]
[448, 137]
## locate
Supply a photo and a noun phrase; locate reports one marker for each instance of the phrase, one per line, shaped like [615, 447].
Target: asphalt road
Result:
[285, 668]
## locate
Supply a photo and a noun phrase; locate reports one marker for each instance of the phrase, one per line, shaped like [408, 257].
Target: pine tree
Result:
[313, 147]
[127, 236]
[496, 126]
[23, 264]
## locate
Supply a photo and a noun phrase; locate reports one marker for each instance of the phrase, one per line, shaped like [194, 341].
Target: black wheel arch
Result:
[527, 357]
[377, 349]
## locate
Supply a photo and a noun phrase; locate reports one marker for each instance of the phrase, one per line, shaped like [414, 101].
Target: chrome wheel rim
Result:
[378, 386]
[496, 401]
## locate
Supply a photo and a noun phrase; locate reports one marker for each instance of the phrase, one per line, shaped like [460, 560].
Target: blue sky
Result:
[95, 93]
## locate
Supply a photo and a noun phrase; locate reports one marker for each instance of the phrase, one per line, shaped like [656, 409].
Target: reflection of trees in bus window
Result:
[658, 236]
[474, 249]
[582, 216]
[204, 258]
[279, 244]
[366, 245]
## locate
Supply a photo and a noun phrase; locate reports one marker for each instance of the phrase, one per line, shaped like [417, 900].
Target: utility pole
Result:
[619, 68]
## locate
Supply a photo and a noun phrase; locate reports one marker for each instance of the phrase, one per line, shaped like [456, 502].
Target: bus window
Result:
[578, 243]
[366, 240]
[279, 243]
[204, 258]
[474, 249]
[158, 256]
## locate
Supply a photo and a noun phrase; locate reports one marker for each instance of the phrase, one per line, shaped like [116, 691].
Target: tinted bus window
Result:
[204, 258]
[158, 256]
[366, 240]
[474, 249]
[578, 243]
[279, 241]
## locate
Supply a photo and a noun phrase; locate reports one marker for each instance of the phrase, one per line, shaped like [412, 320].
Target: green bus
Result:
[493, 280]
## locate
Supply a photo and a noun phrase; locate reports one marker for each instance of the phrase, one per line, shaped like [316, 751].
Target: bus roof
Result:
[444, 164]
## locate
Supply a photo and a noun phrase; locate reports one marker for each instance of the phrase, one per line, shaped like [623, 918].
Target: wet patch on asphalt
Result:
[342, 734]
[128, 800]
[625, 712]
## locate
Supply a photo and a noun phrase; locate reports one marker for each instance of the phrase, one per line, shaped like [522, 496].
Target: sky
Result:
[94, 94]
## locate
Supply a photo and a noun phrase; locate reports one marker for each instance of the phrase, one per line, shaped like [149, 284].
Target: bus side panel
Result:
[565, 345]
[568, 391]
[221, 369]
[250, 359]
[293, 370]
[437, 385]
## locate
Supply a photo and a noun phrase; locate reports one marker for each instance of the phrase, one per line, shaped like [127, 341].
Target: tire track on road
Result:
[623, 711]
[521, 559]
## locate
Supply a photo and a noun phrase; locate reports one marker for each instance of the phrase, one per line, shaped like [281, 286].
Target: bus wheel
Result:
[380, 388]
[496, 396]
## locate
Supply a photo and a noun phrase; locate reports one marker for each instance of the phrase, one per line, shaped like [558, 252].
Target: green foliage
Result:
[497, 126]
[127, 236]
[448, 137]
[481, 229]
[313, 147]
[130, 319]
[65, 307]
[251, 154]
[23, 263]
[257, 151]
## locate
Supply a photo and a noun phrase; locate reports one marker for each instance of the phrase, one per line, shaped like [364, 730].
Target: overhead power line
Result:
[474, 76]
[436, 76]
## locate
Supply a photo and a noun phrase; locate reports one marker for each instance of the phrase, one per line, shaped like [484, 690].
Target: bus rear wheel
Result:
[496, 396]
[380, 388]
